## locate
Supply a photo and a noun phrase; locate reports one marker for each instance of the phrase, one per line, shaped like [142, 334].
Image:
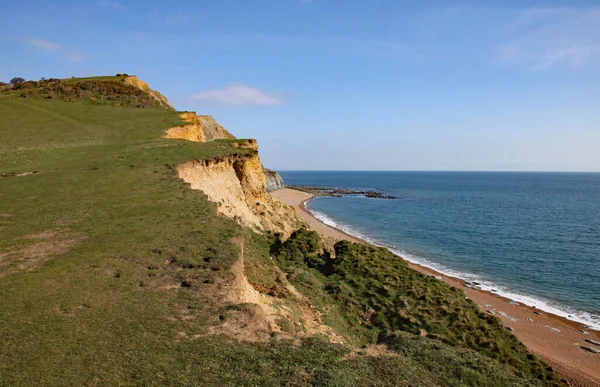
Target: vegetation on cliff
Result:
[113, 271]
[110, 90]
[377, 299]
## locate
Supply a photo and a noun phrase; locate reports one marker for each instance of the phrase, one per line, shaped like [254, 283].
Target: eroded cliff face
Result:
[239, 187]
[274, 180]
[212, 129]
[238, 183]
[138, 83]
[200, 129]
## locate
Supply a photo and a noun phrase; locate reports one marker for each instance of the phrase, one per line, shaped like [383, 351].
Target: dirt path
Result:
[259, 316]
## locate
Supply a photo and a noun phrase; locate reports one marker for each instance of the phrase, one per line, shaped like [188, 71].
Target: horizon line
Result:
[428, 170]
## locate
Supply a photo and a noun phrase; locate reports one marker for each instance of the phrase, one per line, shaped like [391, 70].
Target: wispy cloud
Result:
[71, 56]
[178, 17]
[553, 37]
[76, 56]
[112, 4]
[43, 44]
[238, 95]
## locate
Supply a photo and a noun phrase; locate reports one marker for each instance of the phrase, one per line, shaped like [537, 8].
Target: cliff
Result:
[143, 86]
[274, 180]
[238, 185]
[118, 258]
[199, 129]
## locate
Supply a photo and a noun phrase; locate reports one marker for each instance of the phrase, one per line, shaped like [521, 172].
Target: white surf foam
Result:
[586, 318]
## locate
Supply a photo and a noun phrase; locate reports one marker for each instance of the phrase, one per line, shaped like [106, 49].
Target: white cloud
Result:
[112, 4]
[71, 56]
[556, 37]
[76, 56]
[238, 95]
[43, 44]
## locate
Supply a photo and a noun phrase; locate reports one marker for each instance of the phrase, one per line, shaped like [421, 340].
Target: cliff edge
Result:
[139, 84]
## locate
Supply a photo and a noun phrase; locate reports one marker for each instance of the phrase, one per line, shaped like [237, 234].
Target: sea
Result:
[531, 237]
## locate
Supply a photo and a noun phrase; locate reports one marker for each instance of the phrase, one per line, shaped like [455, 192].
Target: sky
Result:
[346, 84]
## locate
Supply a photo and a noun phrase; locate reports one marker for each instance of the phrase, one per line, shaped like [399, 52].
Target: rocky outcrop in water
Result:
[340, 192]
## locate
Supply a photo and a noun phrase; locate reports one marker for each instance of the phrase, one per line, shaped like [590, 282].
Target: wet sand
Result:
[552, 337]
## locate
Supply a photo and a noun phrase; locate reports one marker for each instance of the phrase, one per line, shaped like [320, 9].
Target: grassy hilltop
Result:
[111, 269]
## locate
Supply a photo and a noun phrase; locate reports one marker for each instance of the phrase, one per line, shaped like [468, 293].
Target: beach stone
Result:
[553, 329]
[593, 342]
[591, 350]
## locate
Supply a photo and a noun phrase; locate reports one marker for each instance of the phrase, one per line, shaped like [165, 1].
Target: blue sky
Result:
[344, 84]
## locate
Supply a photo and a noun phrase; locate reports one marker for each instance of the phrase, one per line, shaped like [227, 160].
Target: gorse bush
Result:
[17, 80]
[303, 245]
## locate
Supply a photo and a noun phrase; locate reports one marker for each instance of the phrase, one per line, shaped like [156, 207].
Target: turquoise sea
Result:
[533, 237]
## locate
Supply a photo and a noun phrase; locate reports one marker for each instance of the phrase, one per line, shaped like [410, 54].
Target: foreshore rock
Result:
[339, 192]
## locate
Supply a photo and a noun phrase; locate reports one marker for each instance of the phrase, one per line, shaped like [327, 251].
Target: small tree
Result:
[17, 80]
[3, 83]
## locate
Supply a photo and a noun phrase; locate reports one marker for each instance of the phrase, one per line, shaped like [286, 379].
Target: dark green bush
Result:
[303, 244]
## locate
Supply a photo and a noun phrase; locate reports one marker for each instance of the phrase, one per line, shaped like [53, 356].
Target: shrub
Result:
[303, 244]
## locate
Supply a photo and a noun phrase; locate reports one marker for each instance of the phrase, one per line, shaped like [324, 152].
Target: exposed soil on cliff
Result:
[238, 185]
[252, 315]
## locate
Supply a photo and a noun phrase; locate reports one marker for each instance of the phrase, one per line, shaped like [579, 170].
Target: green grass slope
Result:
[110, 265]
[373, 296]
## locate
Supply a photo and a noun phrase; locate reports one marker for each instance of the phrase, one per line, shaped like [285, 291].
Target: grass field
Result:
[108, 266]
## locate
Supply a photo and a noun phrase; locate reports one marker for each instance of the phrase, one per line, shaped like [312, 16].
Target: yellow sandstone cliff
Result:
[199, 129]
[238, 185]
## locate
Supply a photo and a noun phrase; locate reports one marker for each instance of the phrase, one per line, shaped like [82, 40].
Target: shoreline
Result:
[555, 338]
[463, 283]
